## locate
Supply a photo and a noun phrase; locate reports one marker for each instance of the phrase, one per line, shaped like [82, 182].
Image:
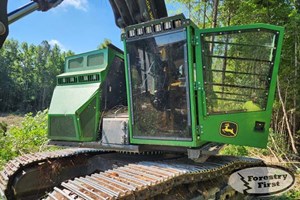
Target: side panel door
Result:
[236, 78]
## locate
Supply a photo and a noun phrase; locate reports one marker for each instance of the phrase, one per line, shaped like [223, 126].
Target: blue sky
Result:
[77, 25]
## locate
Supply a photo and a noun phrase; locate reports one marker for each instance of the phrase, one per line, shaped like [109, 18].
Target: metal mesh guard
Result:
[62, 126]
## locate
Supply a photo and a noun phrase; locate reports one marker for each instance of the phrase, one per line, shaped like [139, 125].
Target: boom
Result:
[126, 12]
[6, 19]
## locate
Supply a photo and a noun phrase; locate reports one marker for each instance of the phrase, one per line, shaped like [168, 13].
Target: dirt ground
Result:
[11, 119]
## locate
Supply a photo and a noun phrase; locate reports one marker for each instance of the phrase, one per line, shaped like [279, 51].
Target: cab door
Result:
[236, 79]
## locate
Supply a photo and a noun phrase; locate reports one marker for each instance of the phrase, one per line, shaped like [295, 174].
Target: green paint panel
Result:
[68, 99]
[244, 135]
[236, 79]
[91, 71]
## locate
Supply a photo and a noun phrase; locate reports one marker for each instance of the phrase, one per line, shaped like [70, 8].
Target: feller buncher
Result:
[148, 122]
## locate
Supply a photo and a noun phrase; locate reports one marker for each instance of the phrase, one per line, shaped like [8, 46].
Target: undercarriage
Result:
[115, 175]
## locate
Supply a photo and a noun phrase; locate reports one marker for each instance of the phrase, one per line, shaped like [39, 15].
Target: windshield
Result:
[158, 76]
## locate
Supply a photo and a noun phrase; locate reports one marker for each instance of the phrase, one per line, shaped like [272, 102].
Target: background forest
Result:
[27, 78]
[27, 75]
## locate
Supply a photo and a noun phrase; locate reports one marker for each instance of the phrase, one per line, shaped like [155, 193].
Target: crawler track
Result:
[45, 163]
[31, 175]
[145, 180]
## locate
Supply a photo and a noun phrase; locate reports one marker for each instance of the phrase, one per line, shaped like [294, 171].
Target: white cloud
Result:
[54, 42]
[78, 4]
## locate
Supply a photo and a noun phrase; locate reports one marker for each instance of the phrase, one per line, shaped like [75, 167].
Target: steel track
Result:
[17, 167]
[137, 180]
[145, 180]
[31, 175]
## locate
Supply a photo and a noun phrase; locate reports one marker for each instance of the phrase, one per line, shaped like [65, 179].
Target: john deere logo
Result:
[228, 129]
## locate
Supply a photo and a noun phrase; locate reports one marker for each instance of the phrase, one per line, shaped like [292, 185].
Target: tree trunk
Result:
[295, 83]
[215, 13]
[204, 14]
[286, 119]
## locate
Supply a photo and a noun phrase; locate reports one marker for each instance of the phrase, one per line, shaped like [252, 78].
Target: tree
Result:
[104, 44]
[28, 75]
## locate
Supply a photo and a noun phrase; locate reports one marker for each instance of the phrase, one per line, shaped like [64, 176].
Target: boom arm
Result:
[126, 12]
[129, 12]
[6, 19]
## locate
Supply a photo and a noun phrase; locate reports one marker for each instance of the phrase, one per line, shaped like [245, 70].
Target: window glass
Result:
[95, 59]
[237, 70]
[159, 86]
[76, 63]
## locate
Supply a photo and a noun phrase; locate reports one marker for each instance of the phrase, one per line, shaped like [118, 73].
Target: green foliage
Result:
[30, 137]
[234, 150]
[104, 44]
[3, 128]
[292, 194]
